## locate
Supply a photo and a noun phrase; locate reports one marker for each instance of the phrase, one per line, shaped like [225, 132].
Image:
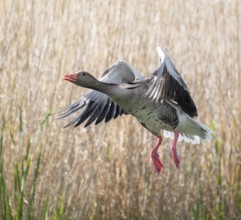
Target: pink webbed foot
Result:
[174, 149]
[155, 157]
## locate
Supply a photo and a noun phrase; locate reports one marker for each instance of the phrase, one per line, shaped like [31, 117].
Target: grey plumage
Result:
[158, 102]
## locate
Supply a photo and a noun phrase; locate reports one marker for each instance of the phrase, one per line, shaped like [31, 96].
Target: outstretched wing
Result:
[96, 106]
[166, 83]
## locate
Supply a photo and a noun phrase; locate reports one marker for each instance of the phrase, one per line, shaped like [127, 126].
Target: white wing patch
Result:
[161, 54]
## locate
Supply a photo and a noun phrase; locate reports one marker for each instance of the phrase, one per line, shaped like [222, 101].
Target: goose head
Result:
[83, 79]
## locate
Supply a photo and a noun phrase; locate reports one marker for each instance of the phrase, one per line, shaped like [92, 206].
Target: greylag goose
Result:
[160, 102]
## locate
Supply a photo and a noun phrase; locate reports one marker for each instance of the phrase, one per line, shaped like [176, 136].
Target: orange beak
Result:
[72, 78]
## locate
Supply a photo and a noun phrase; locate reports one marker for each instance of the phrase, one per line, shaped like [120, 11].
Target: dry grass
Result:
[105, 171]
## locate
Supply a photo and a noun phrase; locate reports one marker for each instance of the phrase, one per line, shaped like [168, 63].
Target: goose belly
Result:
[156, 119]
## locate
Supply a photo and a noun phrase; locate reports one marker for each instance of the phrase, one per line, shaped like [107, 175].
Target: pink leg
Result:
[155, 157]
[174, 149]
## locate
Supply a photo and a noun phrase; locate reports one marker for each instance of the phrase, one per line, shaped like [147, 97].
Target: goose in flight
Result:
[160, 102]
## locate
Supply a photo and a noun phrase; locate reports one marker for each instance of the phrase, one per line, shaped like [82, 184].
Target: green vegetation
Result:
[24, 189]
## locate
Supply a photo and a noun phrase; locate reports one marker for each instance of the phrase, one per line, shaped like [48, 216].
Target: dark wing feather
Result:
[166, 83]
[97, 106]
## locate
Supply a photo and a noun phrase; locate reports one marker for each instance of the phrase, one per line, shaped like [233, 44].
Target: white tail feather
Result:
[190, 127]
[190, 130]
[182, 137]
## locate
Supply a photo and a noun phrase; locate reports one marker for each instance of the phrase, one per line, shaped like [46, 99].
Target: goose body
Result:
[161, 102]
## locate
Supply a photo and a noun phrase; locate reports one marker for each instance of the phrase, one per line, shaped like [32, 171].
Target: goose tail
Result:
[190, 130]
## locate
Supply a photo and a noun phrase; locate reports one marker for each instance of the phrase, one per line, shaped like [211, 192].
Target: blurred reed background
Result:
[105, 172]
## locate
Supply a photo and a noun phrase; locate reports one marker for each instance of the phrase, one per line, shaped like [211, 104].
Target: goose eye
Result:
[84, 74]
